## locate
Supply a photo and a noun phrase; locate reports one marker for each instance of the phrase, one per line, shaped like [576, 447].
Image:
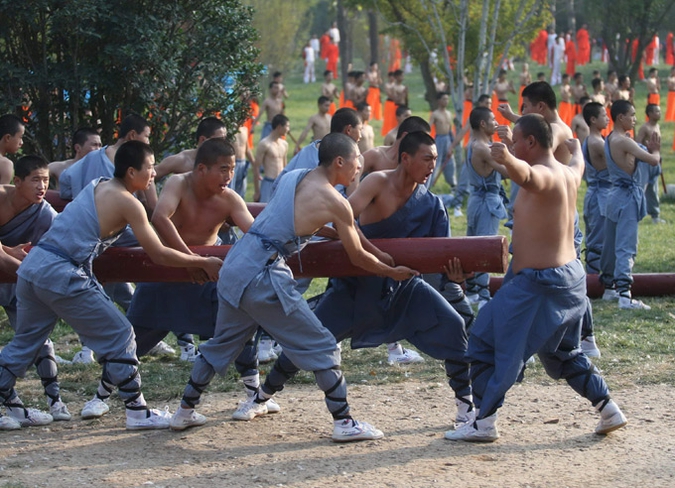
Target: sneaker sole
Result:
[612, 428]
[147, 427]
[360, 437]
[180, 428]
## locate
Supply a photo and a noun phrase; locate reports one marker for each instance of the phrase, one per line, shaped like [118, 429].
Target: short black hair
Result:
[619, 107]
[321, 100]
[441, 94]
[622, 78]
[592, 109]
[327, 72]
[595, 82]
[27, 164]
[478, 115]
[650, 108]
[540, 91]
[334, 145]
[483, 97]
[10, 124]
[413, 124]
[360, 107]
[208, 126]
[535, 125]
[279, 119]
[212, 149]
[132, 122]
[131, 154]
[82, 134]
[343, 118]
[401, 109]
[412, 141]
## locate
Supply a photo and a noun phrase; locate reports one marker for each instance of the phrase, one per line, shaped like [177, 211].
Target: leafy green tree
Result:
[89, 62]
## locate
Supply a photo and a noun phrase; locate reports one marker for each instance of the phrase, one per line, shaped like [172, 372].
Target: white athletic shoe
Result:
[29, 416]
[483, 430]
[466, 413]
[94, 409]
[188, 353]
[350, 430]
[60, 360]
[610, 294]
[59, 411]
[184, 418]
[8, 423]
[626, 303]
[277, 349]
[457, 212]
[152, 419]
[85, 356]
[249, 409]
[266, 352]
[589, 347]
[473, 298]
[401, 355]
[272, 406]
[161, 349]
[658, 220]
[611, 419]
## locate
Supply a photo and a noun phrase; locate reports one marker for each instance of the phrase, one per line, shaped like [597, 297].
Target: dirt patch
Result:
[547, 440]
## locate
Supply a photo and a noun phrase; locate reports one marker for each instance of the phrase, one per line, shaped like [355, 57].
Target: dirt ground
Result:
[547, 440]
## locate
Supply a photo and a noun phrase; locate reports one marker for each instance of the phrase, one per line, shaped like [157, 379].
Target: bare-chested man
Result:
[184, 161]
[329, 90]
[402, 113]
[272, 106]
[12, 129]
[653, 87]
[525, 76]
[624, 91]
[442, 120]
[367, 141]
[611, 85]
[359, 91]
[579, 126]
[243, 158]
[579, 89]
[652, 173]
[598, 94]
[270, 155]
[386, 157]
[399, 92]
[319, 123]
[503, 87]
[540, 310]
[84, 141]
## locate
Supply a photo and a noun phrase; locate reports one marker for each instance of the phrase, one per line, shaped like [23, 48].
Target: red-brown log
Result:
[59, 203]
[645, 285]
[426, 255]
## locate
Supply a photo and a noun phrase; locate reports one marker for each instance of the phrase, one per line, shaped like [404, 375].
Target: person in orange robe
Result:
[255, 110]
[571, 54]
[394, 55]
[670, 54]
[649, 51]
[324, 40]
[583, 46]
[332, 56]
[670, 104]
[373, 97]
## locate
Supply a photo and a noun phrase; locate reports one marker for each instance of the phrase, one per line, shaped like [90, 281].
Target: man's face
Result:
[93, 143]
[14, 142]
[354, 131]
[219, 175]
[655, 114]
[365, 113]
[520, 145]
[142, 136]
[34, 186]
[144, 176]
[491, 124]
[528, 107]
[324, 107]
[420, 166]
[352, 166]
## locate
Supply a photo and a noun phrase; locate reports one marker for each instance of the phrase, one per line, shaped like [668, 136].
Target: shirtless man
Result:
[270, 155]
[541, 307]
[56, 280]
[651, 173]
[565, 108]
[653, 87]
[611, 85]
[367, 141]
[85, 140]
[525, 76]
[243, 158]
[278, 77]
[598, 95]
[402, 113]
[319, 123]
[625, 203]
[329, 89]
[624, 91]
[184, 161]
[249, 287]
[386, 157]
[12, 129]
[579, 126]
[442, 120]
[578, 90]
[272, 106]
[399, 92]
[359, 91]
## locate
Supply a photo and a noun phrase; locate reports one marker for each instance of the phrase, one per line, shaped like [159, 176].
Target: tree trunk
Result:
[571, 19]
[373, 36]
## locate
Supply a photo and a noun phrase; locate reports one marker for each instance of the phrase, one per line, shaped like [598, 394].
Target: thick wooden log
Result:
[59, 203]
[427, 255]
[645, 285]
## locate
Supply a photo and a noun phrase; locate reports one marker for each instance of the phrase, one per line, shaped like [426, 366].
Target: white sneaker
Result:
[161, 349]
[94, 409]
[405, 356]
[29, 416]
[483, 430]
[60, 360]
[658, 220]
[272, 406]
[249, 409]
[610, 294]
[188, 353]
[626, 303]
[589, 347]
[277, 349]
[59, 411]
[350, 430]
[473, 298]
[184, 418]
[8, 423]
[611, 419]
[466, 414]
[153, 419]
[266, 351]
[85, 356]
[457, 212]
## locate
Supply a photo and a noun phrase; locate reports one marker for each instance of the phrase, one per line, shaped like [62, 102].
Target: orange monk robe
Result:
[332, 109]
[633, 55]
[583, 47]
[670, 55]
[649, 51]
[341, 103]
[571, 54]
[654, 98]
[373, 99]
[324, 40]
[468, 107]
[670, 107]
[394, 55]
[389, 121]
[566, 112]
[499, 118]
[332, 54]
[255, 110]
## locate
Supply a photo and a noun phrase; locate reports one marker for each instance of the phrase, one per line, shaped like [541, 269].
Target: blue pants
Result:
[443, 142]
[619, 251]
[239, 181]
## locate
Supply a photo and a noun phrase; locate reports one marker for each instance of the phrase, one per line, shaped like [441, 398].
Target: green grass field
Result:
[637, 347]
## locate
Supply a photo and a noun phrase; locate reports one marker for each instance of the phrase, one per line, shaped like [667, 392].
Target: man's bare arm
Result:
[239, 212]
[6, 171]
[521, 173]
